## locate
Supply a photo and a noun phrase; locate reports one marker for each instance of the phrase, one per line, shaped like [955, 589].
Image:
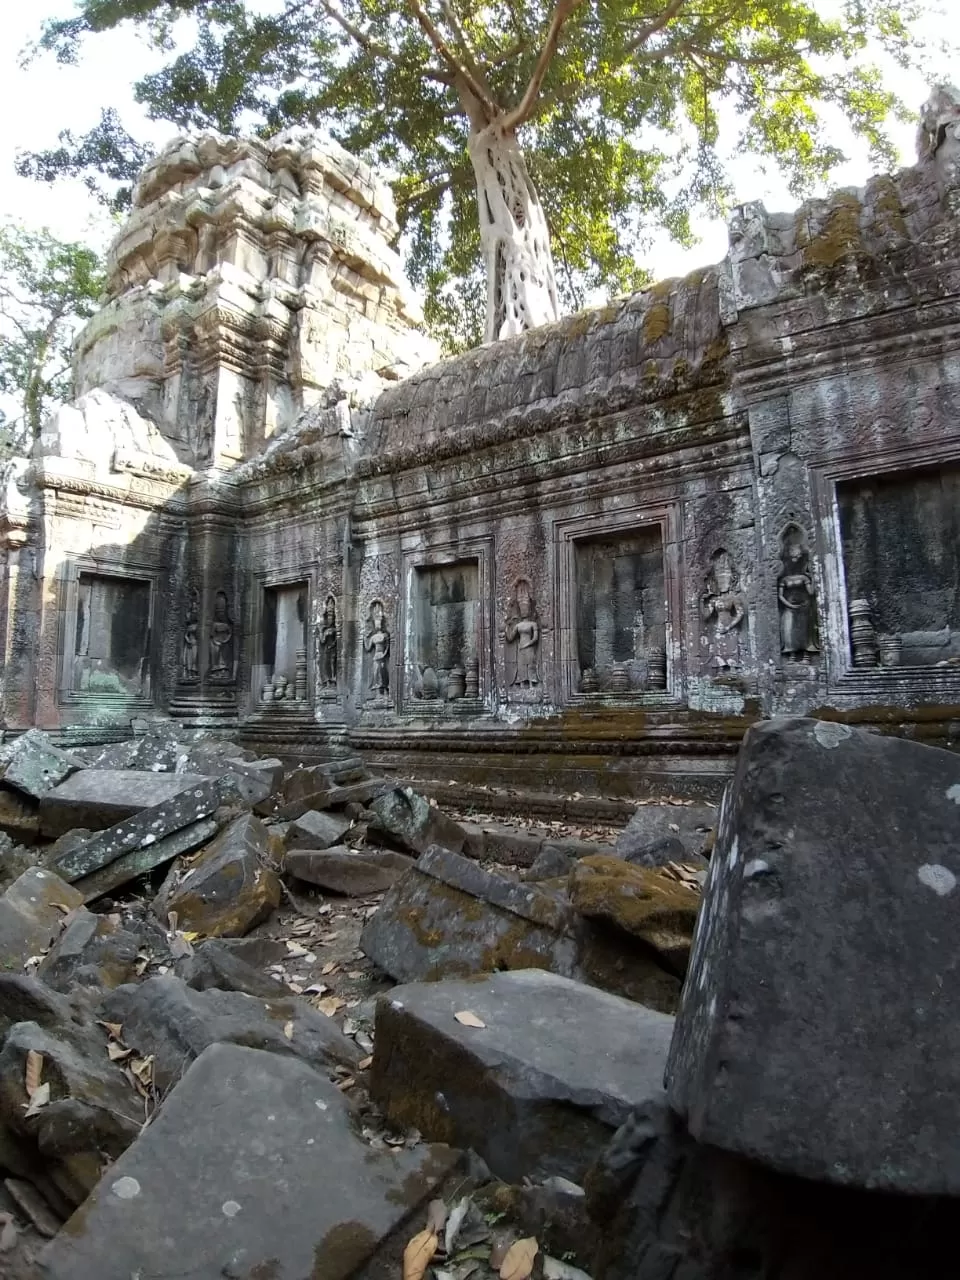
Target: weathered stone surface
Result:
[539, 1089]
[24, 998]
[137, 835]
[340, 870]
[331, 797]
[99, 798]
[296, 1195]
[31, 912]
[33, 764]
[226, 891]
[643, 901]
[93, 951]
[407, 821]
[141, 860]
[551, 863]
[216, 964]
[820, 1027]
[19, 816]
[688, 824]
[317, 830]
[165, 1017]
[449, 918]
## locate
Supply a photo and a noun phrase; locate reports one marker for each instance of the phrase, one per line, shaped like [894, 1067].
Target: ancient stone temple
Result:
[629, 534]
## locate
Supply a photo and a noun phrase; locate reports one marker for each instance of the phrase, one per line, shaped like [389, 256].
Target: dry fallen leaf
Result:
[142, 1068]
[114, 1029]
[418, 1254]
[328, 968]
[288, 1030]
[329, 1005]
[364, 1063]
[468, 1019]
[40, 1099]
[116, 1052]
[344, 1085]
[518, 1264]
[33, 1072]
[457, 1215]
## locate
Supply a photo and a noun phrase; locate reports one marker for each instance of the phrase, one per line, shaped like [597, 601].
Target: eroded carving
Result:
[797, 598]
[522, 634]
[723, 610]
[377, 644]
[327, 641]
[190, 649]
[221, 640]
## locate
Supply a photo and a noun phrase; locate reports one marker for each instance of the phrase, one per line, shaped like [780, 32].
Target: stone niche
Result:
[281, 676]
[444, 645]
[107, 651]
[900, 537]
[621, 612]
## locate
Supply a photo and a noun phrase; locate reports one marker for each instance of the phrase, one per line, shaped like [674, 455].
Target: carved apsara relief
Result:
[522, 640]
[190, 648]
[722, 611]
[222, 665]
[328, 640]
[376, 643]
[797, 597]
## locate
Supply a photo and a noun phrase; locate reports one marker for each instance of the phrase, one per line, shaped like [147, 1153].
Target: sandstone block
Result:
[33, 764]
[91, 951]
[175, 1023]
[214, 963]
[31, 912]
[226, 891]
[687, 824]
[340, 870]
[19, 816]
[99, 798]
[407, 821]
[539, 1089]
[819, 1032]
[317, 830]
[257, 1162]
[143, 859]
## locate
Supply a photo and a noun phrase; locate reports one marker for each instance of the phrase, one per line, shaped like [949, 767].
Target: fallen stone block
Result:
[551, 863]
[19, 816]
[33, 764]
[819, 1032]
[317, 830]
[256, 1163]
[340, 870]
[447, 917]
[646, 902]
[31, 913]
[101, 798]
[24, 998]
[226, 891]
[175, 1023]
[688, 824]
[215, 964]
[334, 797]
[404, 820]
[539, 1088]
[91, 951]
[140, 861]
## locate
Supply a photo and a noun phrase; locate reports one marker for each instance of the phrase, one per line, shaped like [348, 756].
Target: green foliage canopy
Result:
[625, 108]
[48, 287]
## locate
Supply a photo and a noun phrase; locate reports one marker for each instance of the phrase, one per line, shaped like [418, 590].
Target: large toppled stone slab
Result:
[447, 917]
[317, 830]
[100, 798]
[175, 1023]
[141, 860]
[34, 765]
[31, 912]
[139, 837]
[820, 1026]
[253, 1168]
[333, 797]
[340, 870]
[405, 820]
[227, 891]
[538, 1089]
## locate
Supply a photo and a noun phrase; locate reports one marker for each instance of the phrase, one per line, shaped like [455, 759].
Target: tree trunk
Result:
[521, 287]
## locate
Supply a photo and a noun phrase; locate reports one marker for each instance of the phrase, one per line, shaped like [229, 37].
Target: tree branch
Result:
[524, 108]
[465, 47]
[656, 24]
[456, 65]
[354, 32]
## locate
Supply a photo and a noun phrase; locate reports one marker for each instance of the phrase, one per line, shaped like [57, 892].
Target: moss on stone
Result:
[837, 234]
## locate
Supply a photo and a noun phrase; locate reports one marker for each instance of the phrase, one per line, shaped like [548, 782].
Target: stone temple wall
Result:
[582, 560]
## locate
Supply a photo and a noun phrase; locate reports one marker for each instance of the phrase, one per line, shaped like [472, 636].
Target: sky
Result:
[38, 101]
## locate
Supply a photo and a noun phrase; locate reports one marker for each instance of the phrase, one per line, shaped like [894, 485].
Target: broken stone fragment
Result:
[24, 998]
[226, 891]
[819, 1032]
[174, 1022]
[100, 798]
[317, 830]
[19, 816]
[92, 951]
[33, 764]
[334, 797]
[141, 860]
[689, 824]
[258, 1163]
[404, 820]
[214, 963]
[31, 913]
[643, 901]
[539, 1088]
[340, 870]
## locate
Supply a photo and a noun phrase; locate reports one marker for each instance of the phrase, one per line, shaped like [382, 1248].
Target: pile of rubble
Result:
[206, 1071]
